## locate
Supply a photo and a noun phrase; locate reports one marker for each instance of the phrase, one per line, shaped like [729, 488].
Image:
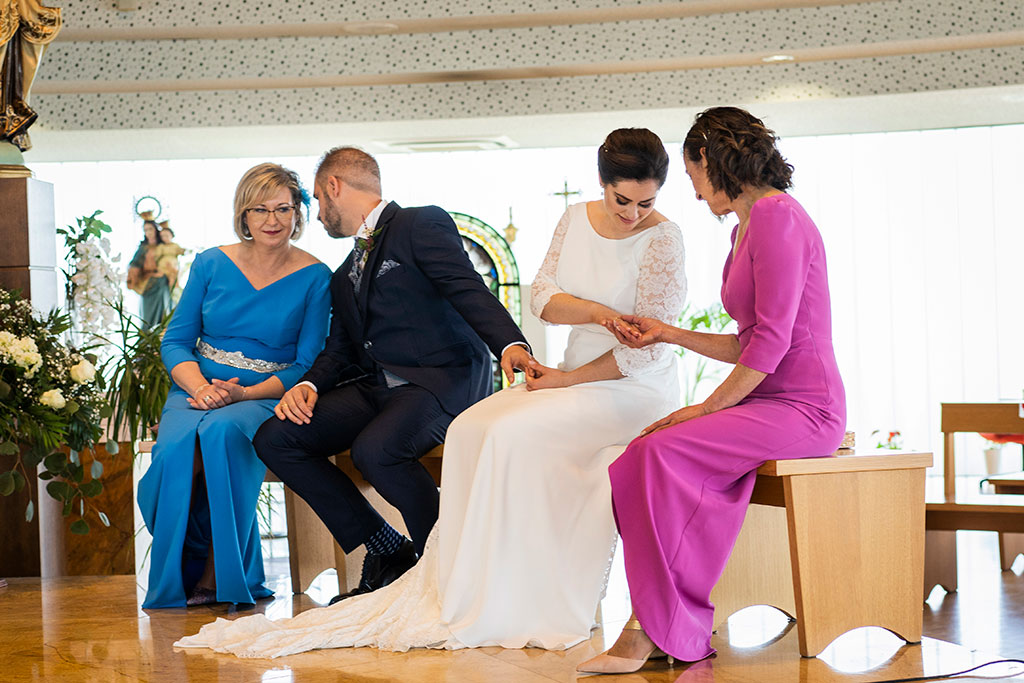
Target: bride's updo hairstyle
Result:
[740, 151]
[632, 154]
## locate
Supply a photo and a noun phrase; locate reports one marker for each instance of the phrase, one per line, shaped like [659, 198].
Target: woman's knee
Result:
[638, 455]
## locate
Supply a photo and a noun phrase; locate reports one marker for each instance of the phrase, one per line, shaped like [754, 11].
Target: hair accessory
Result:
[304, 196]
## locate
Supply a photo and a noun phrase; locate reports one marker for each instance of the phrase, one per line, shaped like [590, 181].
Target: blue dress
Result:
[282, 328]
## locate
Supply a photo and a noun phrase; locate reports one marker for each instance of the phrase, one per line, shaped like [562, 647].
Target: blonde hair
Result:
[259, 184]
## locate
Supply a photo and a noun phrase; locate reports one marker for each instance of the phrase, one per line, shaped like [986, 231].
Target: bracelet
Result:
[201, 387]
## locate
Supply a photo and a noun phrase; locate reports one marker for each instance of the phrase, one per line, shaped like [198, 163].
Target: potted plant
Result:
[891, 440]
[137, 383]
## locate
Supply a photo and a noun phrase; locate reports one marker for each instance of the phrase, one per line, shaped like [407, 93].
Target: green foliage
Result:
[50, 414]
[711, 319]
[137, 381]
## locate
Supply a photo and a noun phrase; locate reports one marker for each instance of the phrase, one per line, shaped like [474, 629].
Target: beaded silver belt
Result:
[235, 359]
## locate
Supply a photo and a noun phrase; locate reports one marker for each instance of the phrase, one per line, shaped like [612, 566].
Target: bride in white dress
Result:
[522, 548]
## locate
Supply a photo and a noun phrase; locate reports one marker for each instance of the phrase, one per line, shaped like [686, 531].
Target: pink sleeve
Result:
[780, 253]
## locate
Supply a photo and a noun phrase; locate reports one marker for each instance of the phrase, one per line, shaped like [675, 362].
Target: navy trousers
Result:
[388, 430]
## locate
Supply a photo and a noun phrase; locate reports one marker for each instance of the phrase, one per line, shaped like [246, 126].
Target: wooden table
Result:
[1007, 483]
[836, 542]
[952, 511]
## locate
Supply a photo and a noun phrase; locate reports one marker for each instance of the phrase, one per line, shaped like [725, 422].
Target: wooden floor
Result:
[91, 629]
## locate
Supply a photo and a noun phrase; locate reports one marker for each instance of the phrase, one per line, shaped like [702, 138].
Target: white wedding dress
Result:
[522, 549]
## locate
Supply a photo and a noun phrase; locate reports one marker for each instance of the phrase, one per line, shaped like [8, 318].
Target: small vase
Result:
[993, 461]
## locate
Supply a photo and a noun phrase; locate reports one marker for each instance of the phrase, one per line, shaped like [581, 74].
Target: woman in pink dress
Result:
[681, 489]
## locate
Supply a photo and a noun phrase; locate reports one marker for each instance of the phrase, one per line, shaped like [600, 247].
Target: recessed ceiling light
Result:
[370, 27]
[778, 58]
[478, 144]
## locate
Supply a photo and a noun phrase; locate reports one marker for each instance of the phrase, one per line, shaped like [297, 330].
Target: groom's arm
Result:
[338, 358]
[438, 251]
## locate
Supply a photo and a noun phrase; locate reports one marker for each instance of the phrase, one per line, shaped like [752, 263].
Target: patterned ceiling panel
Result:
[100, 13]
[773, 32]
[940, 71]
[767, 32]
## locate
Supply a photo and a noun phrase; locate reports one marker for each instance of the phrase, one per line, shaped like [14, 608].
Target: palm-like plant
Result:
[137, 381]
[712, 319]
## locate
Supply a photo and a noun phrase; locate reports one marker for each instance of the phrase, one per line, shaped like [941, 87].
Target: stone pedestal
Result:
[28, 232]
[28, 263]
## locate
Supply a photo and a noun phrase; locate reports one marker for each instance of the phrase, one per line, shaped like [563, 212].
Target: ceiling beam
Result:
[745, 59]
[387, 26]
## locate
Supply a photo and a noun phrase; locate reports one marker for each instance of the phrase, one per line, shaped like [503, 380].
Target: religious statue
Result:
[167, 253]
[144, 277]
[26, 29]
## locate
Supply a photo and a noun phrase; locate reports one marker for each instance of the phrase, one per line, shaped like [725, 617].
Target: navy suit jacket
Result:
[422, 312]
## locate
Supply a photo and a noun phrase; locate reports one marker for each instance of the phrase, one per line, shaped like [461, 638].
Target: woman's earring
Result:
[246, 235]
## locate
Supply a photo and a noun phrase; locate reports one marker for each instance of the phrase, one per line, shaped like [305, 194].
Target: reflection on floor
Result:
[79, 629]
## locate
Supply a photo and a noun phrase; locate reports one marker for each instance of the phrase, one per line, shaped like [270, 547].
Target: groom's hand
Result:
[516, 357]
[297, 404]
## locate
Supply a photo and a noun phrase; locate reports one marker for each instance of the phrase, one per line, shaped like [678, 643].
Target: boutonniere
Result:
[367, 243]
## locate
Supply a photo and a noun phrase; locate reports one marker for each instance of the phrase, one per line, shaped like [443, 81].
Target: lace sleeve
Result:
[544, 285]
[660, 293]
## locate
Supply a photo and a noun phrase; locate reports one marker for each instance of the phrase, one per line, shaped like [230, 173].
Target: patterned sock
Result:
[385, 541]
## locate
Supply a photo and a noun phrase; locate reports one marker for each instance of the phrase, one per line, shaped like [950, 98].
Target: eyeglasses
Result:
[260, 215]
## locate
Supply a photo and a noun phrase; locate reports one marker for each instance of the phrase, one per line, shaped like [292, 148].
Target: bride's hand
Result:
[636, 332]
[544, 377]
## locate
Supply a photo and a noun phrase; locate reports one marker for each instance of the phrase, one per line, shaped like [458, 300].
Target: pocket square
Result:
[387, 266]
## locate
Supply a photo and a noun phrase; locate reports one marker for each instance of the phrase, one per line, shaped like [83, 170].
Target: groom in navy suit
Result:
[412, 330]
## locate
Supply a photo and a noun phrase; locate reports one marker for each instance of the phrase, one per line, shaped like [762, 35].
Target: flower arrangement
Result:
[50, 396]
[91, 281]
[892, 440]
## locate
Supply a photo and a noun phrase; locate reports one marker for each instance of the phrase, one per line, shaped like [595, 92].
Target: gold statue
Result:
[26, 29]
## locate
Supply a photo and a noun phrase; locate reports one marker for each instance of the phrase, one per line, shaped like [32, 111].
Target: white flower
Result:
[22, 351]
[83, 371]
[53, 398]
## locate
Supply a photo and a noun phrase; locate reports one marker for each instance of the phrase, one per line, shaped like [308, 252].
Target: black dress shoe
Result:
[380, 570]
[202, 596]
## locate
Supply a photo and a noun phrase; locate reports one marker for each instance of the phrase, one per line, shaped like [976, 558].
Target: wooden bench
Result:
[1007, 483]
[949, 511]
[312, 549]
[836, 542]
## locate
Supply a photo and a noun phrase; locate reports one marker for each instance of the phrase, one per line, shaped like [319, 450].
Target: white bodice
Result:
[642, 274]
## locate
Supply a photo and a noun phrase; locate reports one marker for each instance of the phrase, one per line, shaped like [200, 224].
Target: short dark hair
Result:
[352, 165]
[740, 151]
[632, 154]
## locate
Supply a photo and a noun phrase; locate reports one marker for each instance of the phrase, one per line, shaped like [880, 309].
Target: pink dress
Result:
[680, 494]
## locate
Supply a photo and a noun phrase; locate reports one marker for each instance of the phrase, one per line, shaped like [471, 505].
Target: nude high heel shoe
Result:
[608, 664]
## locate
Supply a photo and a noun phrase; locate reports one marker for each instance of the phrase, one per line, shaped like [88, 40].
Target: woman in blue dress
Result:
[251, 319]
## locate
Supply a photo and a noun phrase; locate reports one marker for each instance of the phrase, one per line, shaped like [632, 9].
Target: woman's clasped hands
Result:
[217, 394]
[635, 331]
